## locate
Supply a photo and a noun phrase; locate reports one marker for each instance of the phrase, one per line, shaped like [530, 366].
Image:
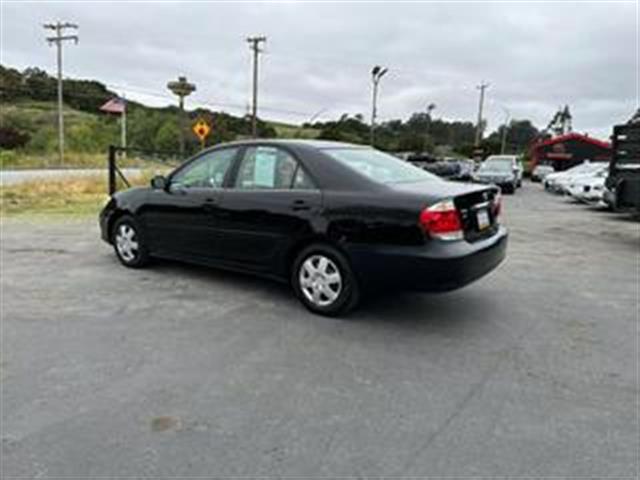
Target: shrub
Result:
[12, 138]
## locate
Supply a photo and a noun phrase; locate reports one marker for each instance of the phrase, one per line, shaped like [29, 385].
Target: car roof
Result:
[296, 142]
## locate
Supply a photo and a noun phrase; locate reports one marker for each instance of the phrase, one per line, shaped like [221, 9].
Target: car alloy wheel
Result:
[126, 241]
[320, 280]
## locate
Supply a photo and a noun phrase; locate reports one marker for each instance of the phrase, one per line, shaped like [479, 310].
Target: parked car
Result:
[333, 220]
[559, 181]
[540, 172]
[449, 170]
[588, 188]
[452, 168]
[421, 160]
[465, 169]
[502, 170]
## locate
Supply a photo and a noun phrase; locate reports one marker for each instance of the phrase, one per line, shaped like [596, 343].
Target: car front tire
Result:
[129, 242]
[509, 188]
[324, 282]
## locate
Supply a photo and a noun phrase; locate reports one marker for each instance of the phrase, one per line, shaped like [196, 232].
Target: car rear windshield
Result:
[379, 166]
[497, 164]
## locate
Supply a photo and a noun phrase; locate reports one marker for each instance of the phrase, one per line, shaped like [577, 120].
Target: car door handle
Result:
[299, 205]
[210, 204]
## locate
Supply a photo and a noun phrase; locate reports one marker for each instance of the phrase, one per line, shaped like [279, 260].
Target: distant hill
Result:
[28, 124]
[28, 121]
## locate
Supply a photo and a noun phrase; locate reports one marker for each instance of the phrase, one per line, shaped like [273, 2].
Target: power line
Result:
[59, 38]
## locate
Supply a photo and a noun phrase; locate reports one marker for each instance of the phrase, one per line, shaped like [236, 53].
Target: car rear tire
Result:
[509, 188]
[129, 242]
[324, 282]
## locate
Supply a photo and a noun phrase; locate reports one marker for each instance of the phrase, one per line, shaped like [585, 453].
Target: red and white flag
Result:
[114, 105]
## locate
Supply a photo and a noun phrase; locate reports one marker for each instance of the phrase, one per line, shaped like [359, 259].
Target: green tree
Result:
[167, 137]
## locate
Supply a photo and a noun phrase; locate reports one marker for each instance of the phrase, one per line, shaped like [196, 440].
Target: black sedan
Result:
[332, 219]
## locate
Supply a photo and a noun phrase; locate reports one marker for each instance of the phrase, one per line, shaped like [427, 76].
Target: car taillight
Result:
[497, 206]
[442, 221]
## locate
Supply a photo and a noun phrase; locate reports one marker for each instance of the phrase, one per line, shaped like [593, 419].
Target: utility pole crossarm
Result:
[63, 37]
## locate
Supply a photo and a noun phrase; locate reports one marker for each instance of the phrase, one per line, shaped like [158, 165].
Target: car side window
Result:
[269, 168]
[302, 181]
[208, 171]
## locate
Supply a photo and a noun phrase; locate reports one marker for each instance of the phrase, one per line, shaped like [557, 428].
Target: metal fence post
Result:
[112, 169]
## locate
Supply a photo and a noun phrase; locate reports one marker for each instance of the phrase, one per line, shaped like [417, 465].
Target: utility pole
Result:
[482, 87]
[123, 126]
[254, 43]
[182, 89]
[57, 40]
[504, 130]
[376, 74]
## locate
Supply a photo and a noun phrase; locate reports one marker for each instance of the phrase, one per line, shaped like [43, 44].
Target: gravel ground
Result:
[180, 370]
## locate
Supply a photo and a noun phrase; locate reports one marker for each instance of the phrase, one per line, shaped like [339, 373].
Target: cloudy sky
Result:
[318, 58]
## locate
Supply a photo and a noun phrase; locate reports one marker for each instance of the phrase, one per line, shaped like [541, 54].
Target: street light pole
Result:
[376, 74]
[431, 107]
[504, 129]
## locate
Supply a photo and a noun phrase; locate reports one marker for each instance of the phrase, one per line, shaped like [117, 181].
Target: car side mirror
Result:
[159, 182]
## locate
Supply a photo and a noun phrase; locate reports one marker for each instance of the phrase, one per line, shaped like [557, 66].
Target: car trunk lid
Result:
[478, 205]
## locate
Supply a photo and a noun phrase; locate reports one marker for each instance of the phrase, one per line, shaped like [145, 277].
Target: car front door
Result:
[270, 205]
[181, 220]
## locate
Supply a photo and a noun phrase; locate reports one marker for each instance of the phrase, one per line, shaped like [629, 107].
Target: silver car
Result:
[540, 172]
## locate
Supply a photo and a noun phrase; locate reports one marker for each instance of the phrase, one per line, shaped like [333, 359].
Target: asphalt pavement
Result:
[179, 370]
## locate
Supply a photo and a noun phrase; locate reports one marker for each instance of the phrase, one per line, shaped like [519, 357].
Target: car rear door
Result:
[182, 219]
[271, 203]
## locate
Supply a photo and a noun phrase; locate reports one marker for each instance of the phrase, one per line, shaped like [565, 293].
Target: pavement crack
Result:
[460, 407]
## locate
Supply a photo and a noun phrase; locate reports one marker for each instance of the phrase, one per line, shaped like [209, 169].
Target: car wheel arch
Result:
[303, 243]
[117, 215]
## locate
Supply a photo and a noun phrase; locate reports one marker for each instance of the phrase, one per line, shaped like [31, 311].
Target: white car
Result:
[589, 188]
[558, 181]
[564, 182]
[540, 172]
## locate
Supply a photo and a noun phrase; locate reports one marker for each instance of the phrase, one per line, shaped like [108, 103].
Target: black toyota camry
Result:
[334, 220]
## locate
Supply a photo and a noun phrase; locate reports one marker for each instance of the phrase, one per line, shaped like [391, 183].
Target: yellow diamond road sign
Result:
[201, 129]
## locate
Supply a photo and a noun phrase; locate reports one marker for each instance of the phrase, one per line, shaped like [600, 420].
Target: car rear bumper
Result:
[436, 267]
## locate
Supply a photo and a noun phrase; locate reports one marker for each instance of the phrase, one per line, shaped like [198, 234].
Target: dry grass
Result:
[70, 196]
[10, 160]
[13, 160]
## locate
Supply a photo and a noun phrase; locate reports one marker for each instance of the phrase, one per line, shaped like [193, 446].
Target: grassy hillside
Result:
[285, 130]
[88, 135]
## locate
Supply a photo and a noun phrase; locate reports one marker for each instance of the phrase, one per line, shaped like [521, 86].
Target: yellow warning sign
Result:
[201, 129]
